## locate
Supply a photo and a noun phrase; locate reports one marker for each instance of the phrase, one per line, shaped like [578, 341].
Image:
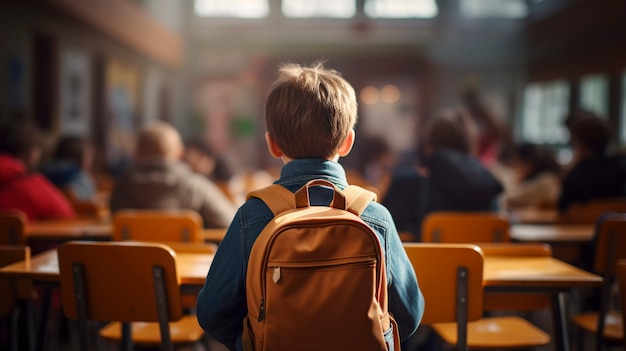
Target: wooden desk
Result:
[64, 230]
[43, 269]
[539, 275]
[533, 216]
[552, 233]
[192, 267]
[85, 229]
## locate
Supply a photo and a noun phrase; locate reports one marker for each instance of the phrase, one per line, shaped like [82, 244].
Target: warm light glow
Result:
[369, 95]
[390, 93]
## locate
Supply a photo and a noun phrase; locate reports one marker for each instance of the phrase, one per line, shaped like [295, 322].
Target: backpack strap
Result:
[278, 198]
[358, 199]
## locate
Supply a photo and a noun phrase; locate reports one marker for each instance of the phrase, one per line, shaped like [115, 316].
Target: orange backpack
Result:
[316, 276]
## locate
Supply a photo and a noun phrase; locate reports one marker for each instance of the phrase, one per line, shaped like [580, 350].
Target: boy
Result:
[310, 113]
[159, 179]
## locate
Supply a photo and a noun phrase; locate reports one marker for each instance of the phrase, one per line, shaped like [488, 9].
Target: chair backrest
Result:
[120, 281]
[12, 227]
[610, 247]
[451, 280]
[465, 227]
[157, 225]
[10, 254]
[590, 212]
[621, 277]
[513, 302]
[610, 243]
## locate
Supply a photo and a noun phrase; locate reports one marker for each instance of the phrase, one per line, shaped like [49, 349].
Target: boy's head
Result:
[310, 111]
[450, 129]
[23, 140]
[591, 137]
[159, 140]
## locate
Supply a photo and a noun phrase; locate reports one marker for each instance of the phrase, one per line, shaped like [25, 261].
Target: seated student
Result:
[450, 177]
[20, 187]
[310, 143]
[594, 174]
[158, 179]
[70, 168]
[537, 178]
[203, 160]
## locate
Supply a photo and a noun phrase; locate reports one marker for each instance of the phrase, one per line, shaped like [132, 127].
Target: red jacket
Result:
[31, 193]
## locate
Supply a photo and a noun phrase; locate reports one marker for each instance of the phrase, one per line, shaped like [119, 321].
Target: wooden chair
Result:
[610, 246]
[12, 227]
[621, 277]
[590, 212]
[465, 227]
[157, 225]
[125, 282]
[450, 277]
[11, 291]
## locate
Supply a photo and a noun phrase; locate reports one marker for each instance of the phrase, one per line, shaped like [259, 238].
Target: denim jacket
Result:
[221, 304]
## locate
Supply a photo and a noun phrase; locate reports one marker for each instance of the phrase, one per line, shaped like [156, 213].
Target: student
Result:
[70, 168]
[537, 178]
[202, 159]
[594, 173]
[20, 187]
[310, 115]
[158, 179]
[449, 176]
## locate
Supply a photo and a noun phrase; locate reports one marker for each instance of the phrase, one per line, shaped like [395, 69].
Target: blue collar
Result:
[298, 172]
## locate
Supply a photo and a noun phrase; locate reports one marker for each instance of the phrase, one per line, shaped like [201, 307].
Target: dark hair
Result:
[575, 115]
[593, 133]
[540, 158]
[19, 137]
[449, 130]
[200, 145]
[71, 148]
[223, 170]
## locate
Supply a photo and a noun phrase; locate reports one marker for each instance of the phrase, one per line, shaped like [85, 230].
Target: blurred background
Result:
[99, 69]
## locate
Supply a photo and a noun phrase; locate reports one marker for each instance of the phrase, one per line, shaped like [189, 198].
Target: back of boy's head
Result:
[159, 140]
[450, 129]
[310, 111]
[593, 134]
[19, 137]
[71, 148]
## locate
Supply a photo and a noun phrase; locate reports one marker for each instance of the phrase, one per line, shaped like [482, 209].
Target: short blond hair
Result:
[310, 111]
[159, 140]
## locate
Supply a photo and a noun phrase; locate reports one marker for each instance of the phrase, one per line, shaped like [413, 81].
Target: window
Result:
[494, 8]
[232, 8]
[545, 106]
[401, 8]
[319, 8]
[594, 93]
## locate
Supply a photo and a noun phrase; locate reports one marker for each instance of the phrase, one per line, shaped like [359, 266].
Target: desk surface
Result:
[499, 271]
[533, 216]
[192, 267]
[85, 229]
[536, 272]
[552, 232]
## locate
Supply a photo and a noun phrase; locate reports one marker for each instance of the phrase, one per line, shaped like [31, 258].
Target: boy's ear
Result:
[347, 144]
[273, 147]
